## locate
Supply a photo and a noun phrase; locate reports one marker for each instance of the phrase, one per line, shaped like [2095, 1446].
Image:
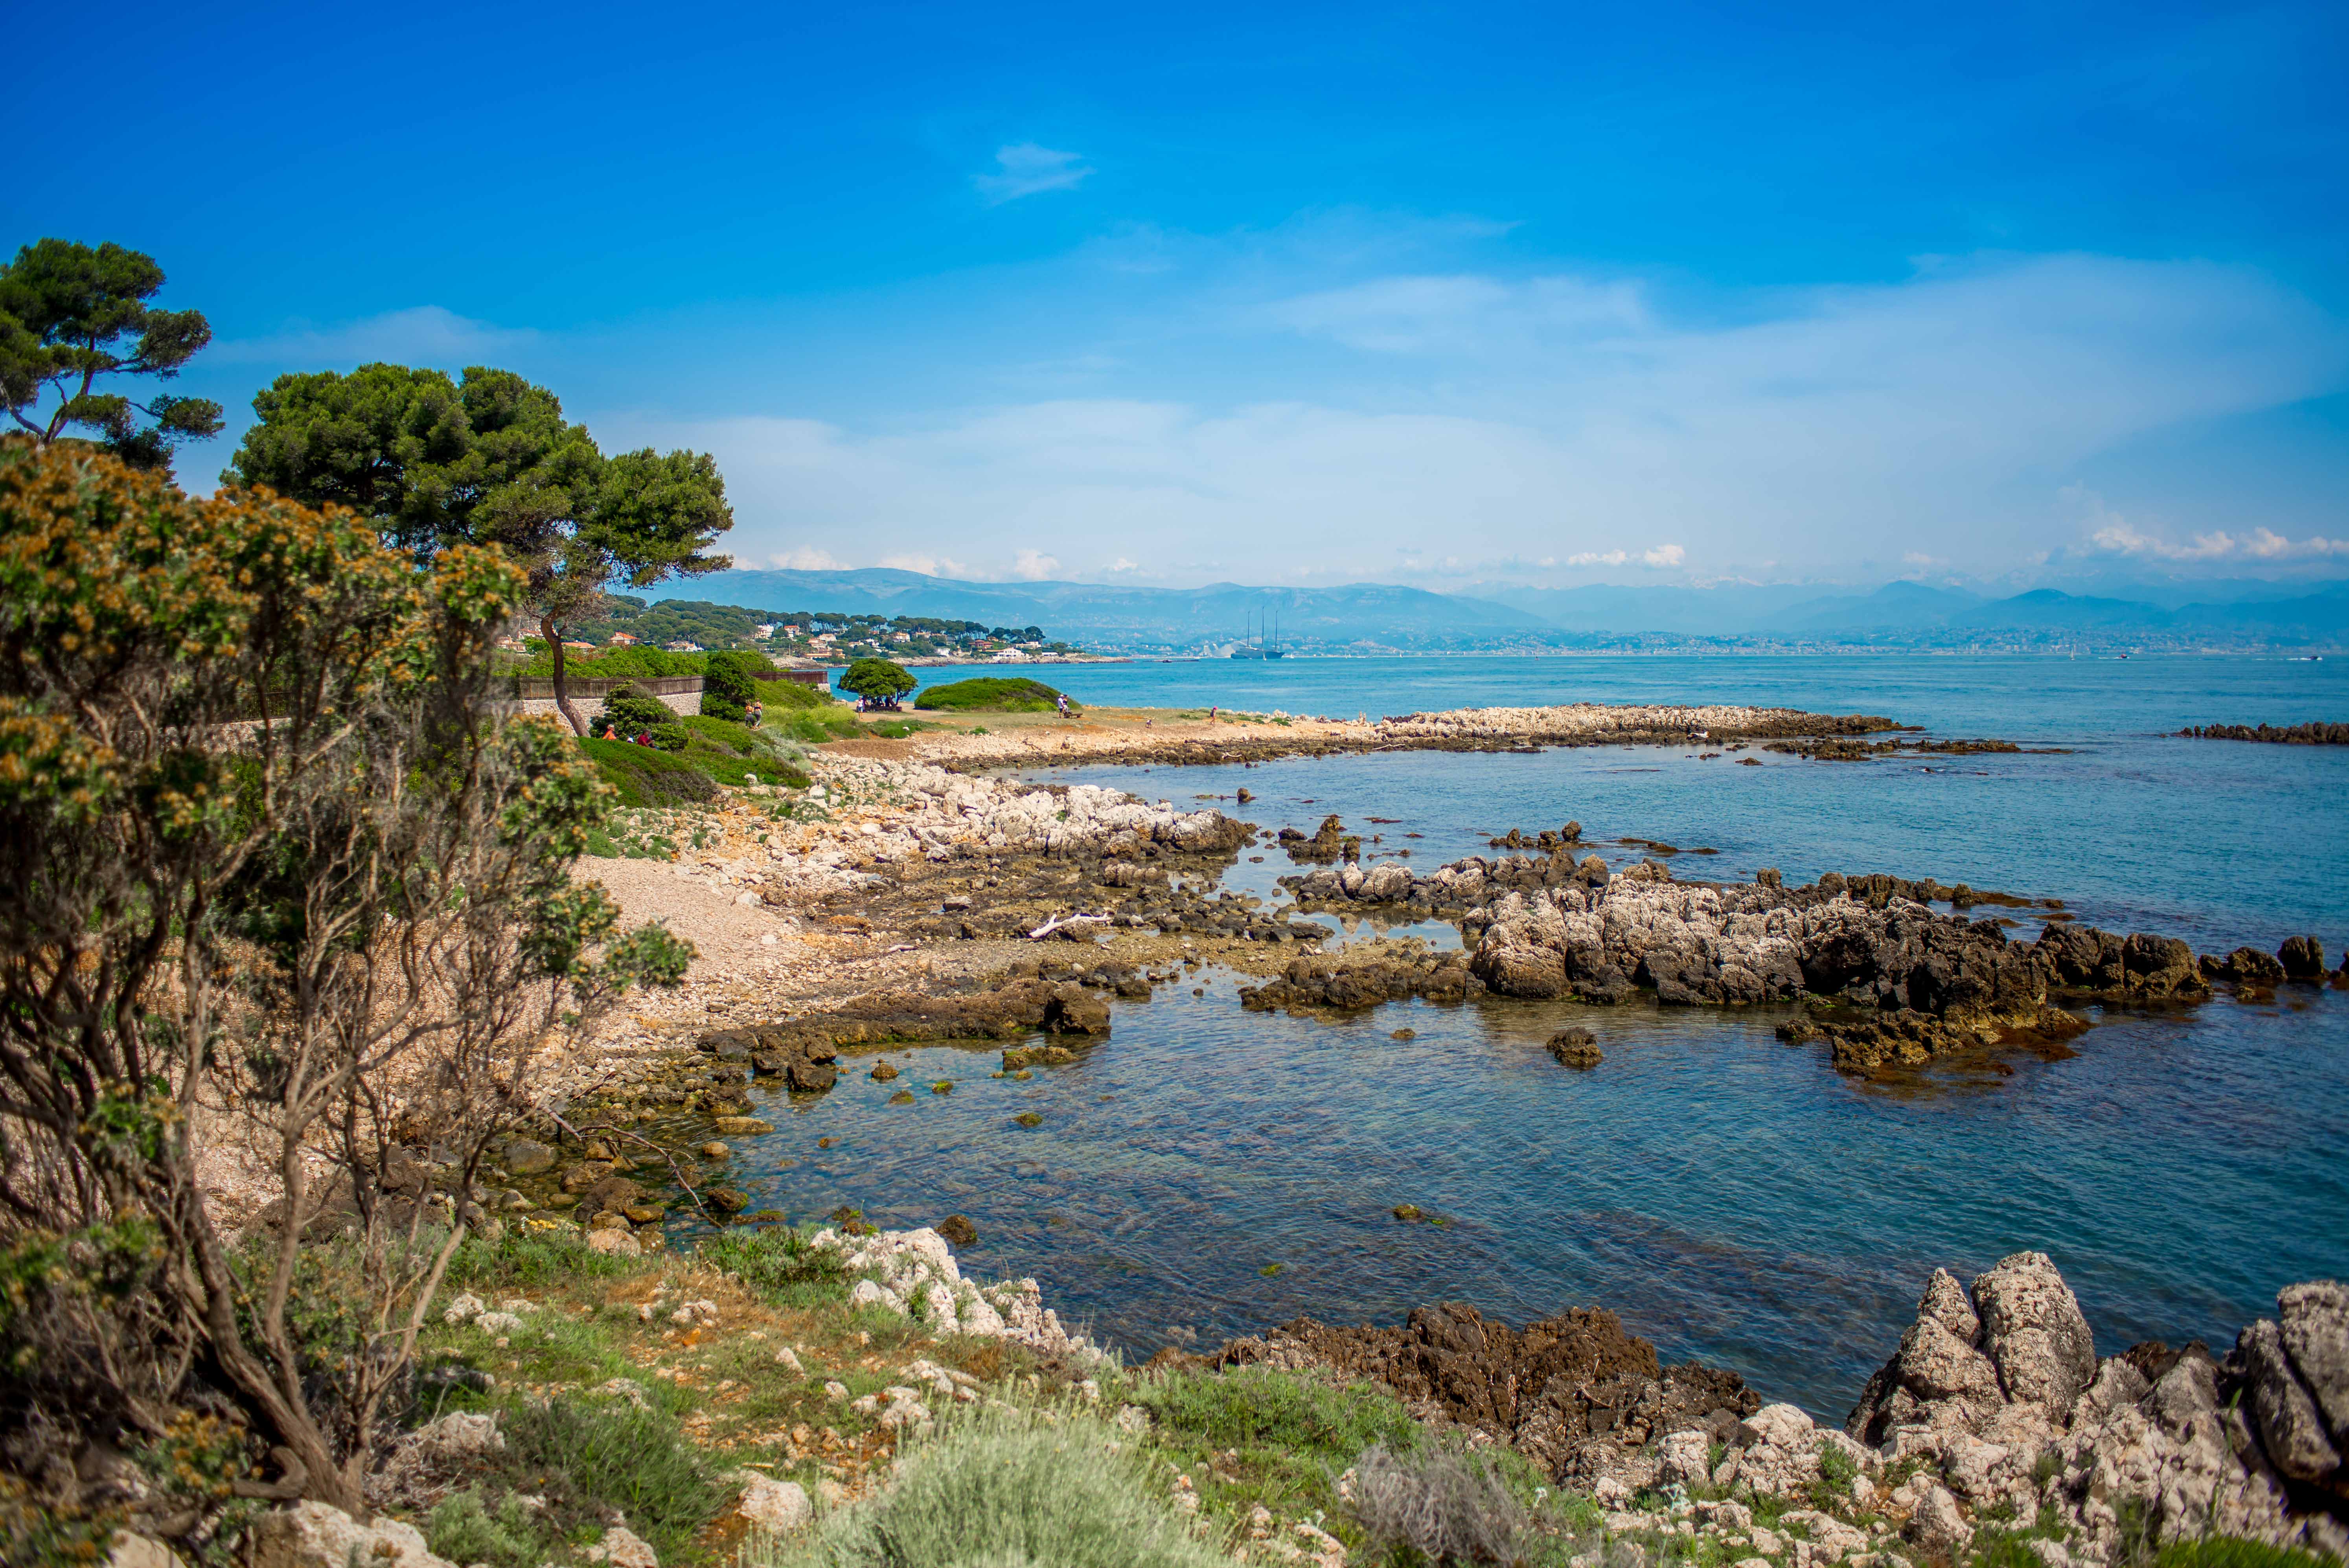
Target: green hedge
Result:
[993, 694]
[632, 661]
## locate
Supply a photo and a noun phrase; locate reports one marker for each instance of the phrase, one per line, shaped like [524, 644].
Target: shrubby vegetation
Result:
[728, 686]
[651, 756]
[268, 847]
[1002, 1487]
[993, 694]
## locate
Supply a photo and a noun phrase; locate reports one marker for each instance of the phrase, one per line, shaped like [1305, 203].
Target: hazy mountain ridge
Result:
[1374, 614]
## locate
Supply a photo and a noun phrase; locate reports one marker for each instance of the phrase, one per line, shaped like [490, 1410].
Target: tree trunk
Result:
[562, 685]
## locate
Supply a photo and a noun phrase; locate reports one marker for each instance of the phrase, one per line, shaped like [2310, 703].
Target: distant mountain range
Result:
[1363, 616]
[1114, 616]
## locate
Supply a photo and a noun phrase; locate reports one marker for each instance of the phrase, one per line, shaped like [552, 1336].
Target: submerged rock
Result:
[1576, 1049]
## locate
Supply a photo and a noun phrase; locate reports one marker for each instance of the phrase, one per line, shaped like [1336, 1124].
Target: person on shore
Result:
[1060, 703]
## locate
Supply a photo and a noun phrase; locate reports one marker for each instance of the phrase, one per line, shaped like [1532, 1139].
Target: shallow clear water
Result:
[1208, 1172]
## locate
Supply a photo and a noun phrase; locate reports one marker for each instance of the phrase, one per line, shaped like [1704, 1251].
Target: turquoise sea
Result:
[1208, 1172]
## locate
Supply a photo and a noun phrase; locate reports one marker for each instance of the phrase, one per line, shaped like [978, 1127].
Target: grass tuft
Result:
[998, 1487]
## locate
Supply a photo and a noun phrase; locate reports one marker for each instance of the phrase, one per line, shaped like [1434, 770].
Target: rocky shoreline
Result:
[1198, 740]
[1993, 1411]
[1056, 900]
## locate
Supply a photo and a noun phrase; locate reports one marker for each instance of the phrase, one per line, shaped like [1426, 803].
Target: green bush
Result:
[627, 713]
[728, 735]
[584, 1457]
[998, 1487]
[993, 694]
[646, 776]
[1259, 1408]
[626, 661]
[728, 687]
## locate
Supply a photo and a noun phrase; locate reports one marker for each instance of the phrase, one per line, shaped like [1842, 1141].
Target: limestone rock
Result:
[1945, 1302]
[2314, 1320]
[1935, 1364]
[622, 1547]
[776, 1507]
[2033, 1332]
[440, 1457]
[617, 1243]
[319, 1535]
[2291, 1430]
[2302, 958]
[134, 1551]
[1935, 1522]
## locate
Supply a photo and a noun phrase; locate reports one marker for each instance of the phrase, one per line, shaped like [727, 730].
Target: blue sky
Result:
[1435, 295]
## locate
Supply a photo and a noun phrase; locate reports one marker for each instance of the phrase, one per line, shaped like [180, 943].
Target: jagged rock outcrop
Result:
[1323, 846]
[1578, 1394]
[1999, 1389]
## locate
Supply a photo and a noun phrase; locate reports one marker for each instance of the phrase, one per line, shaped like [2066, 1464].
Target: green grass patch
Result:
[2231, 1552]
[737, 755]
[778, 1263]
[993, 694]
[897, 729]
[1251, 1407]
[786, 696]
[815, 726]
[583, 1457]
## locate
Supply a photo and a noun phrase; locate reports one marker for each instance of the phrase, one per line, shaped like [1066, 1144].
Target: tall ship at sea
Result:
[1258, 644]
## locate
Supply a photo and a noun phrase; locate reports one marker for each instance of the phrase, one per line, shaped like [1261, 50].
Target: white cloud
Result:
[1033, 565]
[1122, 565]
[1555, 420]
[2111, 532]
[929, 565]
[423, 334]
[1662, 556]
[807, 560]
[1024, 169]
